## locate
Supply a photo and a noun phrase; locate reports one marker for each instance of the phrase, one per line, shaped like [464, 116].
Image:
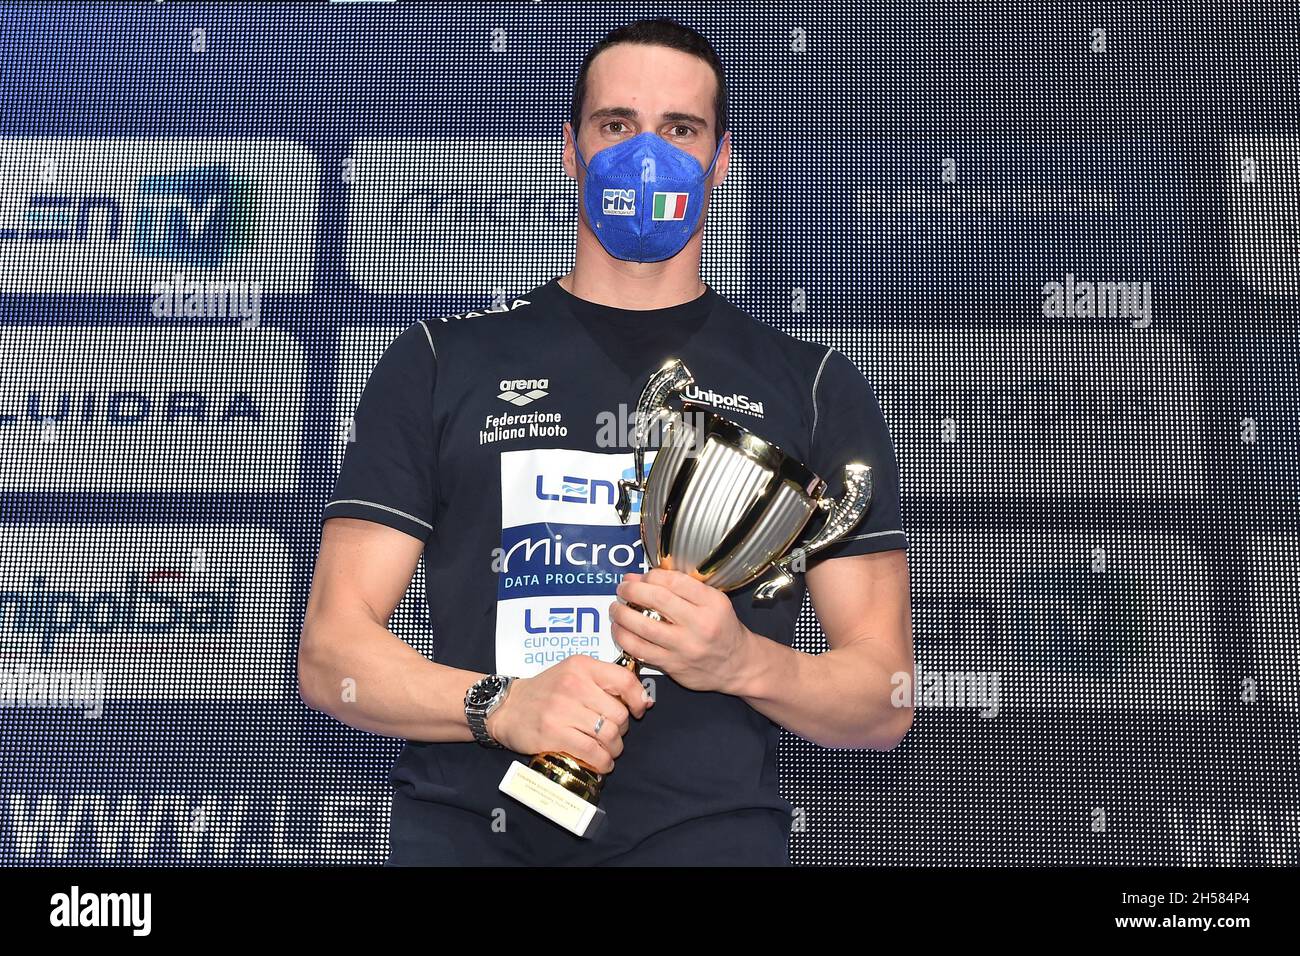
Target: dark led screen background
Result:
[1064, 247]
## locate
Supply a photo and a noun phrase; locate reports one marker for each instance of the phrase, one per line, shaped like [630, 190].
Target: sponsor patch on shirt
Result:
[563, 553]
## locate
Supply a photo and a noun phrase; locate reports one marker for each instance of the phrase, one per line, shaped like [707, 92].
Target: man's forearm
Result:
[840, 698]
[356, 670]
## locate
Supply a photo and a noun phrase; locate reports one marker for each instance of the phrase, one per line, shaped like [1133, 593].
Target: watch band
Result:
[476, 714]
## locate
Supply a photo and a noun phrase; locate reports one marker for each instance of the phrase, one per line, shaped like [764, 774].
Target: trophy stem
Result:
[631, 663]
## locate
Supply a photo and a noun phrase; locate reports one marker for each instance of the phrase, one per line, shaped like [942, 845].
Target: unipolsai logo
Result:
[733, 402]
[162, 602]
[198, 217]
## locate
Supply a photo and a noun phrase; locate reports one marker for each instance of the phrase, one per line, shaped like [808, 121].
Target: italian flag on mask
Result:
[670, 205]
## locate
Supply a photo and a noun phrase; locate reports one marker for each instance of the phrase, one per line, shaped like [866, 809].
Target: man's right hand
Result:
[556, 711]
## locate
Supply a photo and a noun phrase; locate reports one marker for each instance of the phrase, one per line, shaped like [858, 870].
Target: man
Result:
[479, 445]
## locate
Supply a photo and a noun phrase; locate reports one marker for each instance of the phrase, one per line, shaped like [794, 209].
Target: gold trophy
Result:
[720, 504]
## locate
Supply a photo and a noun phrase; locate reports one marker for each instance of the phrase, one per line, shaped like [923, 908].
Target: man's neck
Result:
[640, 293]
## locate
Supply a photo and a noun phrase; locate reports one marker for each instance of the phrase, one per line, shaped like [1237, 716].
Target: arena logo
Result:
[523, 391]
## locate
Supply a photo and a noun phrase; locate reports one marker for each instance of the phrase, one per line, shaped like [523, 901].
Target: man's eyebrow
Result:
[626, 112]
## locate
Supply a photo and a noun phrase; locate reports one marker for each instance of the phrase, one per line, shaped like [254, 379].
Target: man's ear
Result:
[568, 157]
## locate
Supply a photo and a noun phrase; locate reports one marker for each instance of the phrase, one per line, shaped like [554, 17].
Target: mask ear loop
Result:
[578, 150]
[716, 153]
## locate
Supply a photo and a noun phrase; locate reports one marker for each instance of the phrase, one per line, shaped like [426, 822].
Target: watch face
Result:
[485, 690]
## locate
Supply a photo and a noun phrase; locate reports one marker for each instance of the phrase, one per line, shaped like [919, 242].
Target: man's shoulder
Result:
[805, 354]
[495, 318]
[496, 307]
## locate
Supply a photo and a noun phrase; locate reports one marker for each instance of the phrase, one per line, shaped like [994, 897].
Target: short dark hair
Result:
[660, 31]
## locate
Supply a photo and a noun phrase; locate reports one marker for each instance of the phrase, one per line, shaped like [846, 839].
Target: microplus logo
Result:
[73, 909]
[551, 551]
[523, 391]
[736, 401]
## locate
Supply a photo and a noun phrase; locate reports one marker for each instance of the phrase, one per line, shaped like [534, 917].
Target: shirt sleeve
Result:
[849, 426]
[388, 469]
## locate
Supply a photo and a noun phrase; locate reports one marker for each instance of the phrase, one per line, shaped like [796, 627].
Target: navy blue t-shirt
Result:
[497, 439]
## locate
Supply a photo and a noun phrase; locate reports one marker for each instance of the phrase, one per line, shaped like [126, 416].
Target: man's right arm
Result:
[353, 668]
[376, 526]
[349, 664]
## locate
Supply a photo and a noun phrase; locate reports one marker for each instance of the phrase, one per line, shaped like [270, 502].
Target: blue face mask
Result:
[644, 197]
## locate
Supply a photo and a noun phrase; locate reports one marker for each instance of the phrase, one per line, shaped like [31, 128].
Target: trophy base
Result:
[543, 795]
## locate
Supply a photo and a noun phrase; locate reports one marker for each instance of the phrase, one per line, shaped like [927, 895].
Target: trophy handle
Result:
[673, 377]
[844, 515]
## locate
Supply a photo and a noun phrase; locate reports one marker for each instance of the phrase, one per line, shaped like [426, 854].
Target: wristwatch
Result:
[483, 697]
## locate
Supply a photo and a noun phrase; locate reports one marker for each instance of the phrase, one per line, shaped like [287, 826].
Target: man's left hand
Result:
[700, 644]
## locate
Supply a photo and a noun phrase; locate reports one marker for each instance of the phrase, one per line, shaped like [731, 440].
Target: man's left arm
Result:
[842, 697]
[859, 587]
